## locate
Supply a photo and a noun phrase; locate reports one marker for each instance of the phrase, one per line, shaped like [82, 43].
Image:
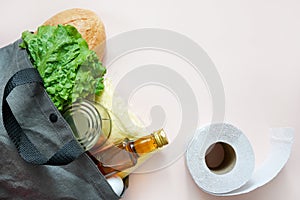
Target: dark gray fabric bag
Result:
[36, 144]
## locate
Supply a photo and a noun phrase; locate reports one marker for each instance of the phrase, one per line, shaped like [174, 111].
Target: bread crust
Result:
[88, 24]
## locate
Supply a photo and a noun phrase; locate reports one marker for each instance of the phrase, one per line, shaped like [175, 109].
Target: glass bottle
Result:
[117, 157]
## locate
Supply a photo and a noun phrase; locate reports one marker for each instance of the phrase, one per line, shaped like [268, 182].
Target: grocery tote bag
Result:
[40, 158]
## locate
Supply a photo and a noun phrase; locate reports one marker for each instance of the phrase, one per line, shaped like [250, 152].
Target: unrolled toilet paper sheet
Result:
[242, 178]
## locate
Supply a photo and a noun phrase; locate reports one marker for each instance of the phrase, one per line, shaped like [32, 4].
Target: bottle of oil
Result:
[117, 157]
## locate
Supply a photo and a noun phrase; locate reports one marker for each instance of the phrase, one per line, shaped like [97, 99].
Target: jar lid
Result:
[85, 122]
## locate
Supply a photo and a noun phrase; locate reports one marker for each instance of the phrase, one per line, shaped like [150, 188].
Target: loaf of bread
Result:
[88, 24]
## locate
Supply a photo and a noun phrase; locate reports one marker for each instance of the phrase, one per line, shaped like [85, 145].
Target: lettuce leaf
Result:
[68, 68]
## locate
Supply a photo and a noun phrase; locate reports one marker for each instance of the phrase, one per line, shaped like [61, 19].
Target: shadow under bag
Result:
[40, 158]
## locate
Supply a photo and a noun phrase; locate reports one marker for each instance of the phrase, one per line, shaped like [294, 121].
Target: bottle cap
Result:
[160, 138]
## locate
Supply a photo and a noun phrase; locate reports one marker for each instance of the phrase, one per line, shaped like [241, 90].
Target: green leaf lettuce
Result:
[68, 68]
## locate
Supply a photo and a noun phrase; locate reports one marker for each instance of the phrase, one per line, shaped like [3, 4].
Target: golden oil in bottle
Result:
[125, 154]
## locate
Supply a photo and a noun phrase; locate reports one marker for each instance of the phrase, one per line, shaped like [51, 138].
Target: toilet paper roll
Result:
[221, 160]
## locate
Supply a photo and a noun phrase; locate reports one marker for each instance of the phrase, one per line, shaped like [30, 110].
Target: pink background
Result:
[255, 46]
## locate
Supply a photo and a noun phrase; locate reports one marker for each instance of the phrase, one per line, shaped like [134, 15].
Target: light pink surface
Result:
[255, 46]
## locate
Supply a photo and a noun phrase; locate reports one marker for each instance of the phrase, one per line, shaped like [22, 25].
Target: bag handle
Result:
[27, 150]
